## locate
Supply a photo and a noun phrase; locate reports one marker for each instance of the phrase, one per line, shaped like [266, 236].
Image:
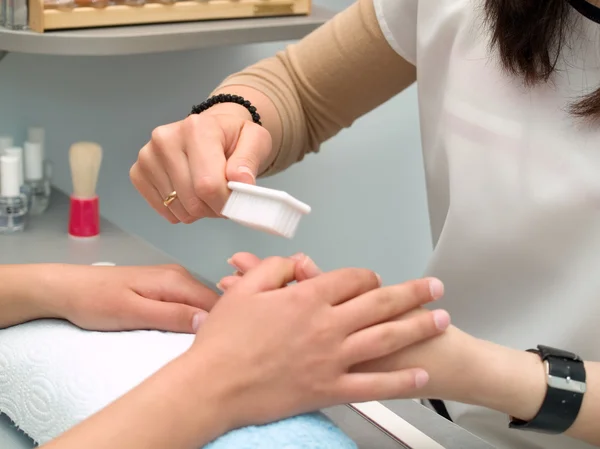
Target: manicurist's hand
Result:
[196, 157]
[107, 298]
[290, 350]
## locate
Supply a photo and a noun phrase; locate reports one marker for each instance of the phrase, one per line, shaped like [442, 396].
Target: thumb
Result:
[252, 150]
[165, 316]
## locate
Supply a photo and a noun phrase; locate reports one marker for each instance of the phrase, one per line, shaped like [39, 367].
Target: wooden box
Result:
[41, 19]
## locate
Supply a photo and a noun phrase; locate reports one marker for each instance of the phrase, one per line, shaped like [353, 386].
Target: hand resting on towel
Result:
[164, 297]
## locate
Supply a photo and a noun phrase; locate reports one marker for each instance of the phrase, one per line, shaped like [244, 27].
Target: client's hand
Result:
[274, 352]
[165, 297]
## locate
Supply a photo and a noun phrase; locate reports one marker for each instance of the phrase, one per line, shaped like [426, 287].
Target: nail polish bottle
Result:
[18, 152]
[35, 180]
[13, 204]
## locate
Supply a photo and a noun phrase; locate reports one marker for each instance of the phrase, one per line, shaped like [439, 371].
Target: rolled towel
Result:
[54, 375]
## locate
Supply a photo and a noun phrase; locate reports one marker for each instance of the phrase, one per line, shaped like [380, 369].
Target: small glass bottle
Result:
[13, 204]
[16, 15]
[37, 184]
[25, 189]
[5, 142]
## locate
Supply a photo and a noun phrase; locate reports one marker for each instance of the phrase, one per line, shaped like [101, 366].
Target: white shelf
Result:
[140, 39]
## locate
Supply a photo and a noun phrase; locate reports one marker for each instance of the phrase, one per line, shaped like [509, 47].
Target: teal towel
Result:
[311, 431]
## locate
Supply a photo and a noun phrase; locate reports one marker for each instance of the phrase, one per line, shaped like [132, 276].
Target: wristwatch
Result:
[566, 380]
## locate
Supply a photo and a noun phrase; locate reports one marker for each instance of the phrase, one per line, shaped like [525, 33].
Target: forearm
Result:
[179, 407]
[22, 295]
[322, 84]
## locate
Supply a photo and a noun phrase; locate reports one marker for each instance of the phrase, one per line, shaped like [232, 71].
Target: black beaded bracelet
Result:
[227, 98]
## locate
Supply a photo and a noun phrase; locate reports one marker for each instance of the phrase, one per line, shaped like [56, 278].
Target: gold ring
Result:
[170, 198]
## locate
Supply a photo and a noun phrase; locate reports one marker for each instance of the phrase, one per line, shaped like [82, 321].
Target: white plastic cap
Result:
[5, 142]
[9, 180]
[36, 134]
[18, 152]
[34, 161]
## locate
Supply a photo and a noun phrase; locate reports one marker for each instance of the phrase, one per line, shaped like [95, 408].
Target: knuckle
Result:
[161, 135]
[134, 174]
[144, 156]
[206, 186]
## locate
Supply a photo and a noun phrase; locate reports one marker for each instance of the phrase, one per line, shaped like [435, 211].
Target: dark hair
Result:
[529, 36]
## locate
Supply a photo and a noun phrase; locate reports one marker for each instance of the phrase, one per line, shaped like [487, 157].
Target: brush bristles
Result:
[263, 214]
[85, 159]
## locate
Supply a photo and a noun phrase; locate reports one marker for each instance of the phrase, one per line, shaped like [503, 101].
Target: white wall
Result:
[366, 187]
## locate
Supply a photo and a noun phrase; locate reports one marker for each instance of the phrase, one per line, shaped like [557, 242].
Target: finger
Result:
[205, 150]
[164, 316]
[150, 194]
[270, 274]
[365, 387]
[306, 267]
[154, 171]
[386, 338]
[176, 285]
[387, 303]
[336, 287]
[243, 262]
[178, 171]
[253, 147]
[227, 282]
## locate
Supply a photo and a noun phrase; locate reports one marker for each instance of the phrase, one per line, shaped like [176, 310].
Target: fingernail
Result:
[441, 318]
[230, 262]
[198, 320]
[298, 257]
[244, 169]
[379, 279]
[436, 288]
[421, 379]
[310, 268]
[220, 287]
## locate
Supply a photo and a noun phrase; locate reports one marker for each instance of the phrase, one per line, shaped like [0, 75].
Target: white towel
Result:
[53, 374]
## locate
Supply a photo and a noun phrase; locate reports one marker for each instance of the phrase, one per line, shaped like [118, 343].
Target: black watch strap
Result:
[565, 375]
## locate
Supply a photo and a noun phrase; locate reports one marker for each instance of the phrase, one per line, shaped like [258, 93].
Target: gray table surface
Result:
[45, 240]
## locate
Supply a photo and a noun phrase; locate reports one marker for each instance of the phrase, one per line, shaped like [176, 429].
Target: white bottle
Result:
[13, 203]
[5, 142]
[36, 182]
[36, 134]
[18, 153]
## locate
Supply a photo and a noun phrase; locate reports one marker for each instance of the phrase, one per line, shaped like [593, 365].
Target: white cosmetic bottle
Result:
[37, 185]
[13, 203]
[18, 152]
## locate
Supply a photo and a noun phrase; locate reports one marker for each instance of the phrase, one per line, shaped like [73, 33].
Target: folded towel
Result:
[53, 375]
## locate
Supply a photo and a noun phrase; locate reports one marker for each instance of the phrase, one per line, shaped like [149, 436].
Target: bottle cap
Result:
[36, 134]
[9, 178]
[5, 142]
[18, 152]
[34, 161]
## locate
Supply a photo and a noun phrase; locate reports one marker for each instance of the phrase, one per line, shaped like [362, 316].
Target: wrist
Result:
[503, 379]
[25, 296]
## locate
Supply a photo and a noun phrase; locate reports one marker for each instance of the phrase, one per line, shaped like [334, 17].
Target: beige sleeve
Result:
[323, 83]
